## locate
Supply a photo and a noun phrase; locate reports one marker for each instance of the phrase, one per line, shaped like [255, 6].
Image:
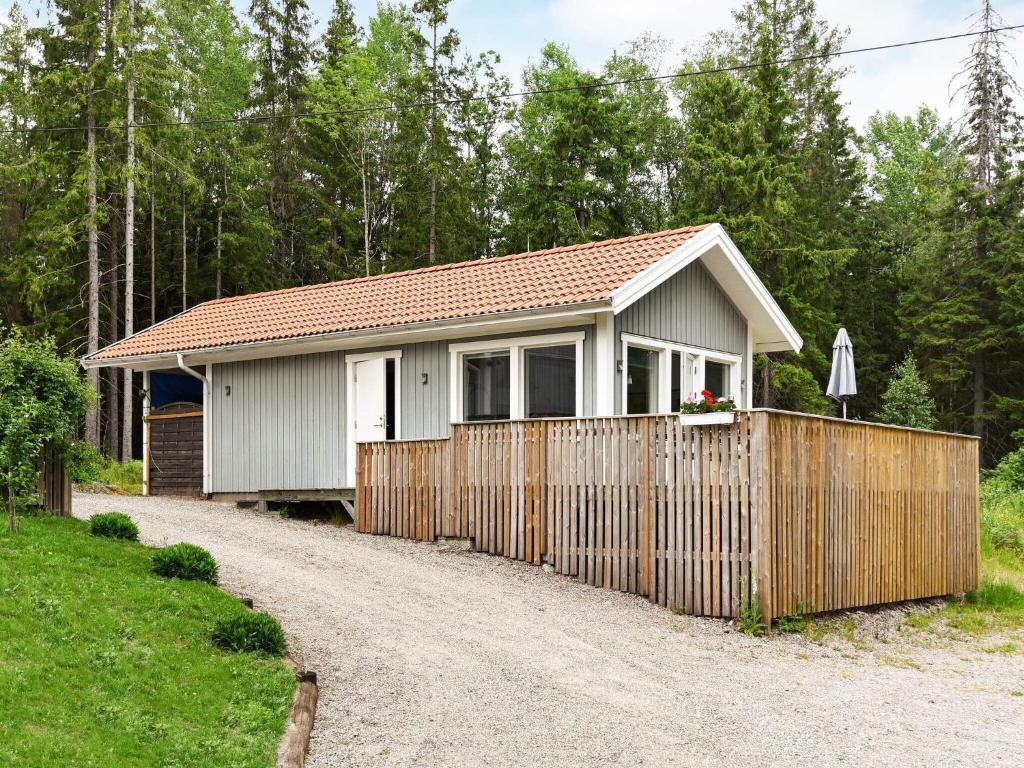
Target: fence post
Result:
[762, 550]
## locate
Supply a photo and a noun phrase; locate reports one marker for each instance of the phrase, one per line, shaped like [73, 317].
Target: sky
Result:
[891, 80]
[899, 80]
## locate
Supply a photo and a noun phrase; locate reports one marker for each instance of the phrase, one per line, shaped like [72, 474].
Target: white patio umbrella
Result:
[842, 384]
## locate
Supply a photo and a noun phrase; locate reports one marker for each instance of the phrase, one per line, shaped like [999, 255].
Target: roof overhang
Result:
[770, 329]
[466, 327]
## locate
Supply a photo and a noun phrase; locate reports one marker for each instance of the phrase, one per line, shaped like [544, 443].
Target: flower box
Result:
[699, 419]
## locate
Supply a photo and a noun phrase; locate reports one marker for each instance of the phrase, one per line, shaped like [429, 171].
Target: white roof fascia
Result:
[772, 330]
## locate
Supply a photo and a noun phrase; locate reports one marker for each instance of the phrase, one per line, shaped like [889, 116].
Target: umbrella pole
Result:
[844, 409]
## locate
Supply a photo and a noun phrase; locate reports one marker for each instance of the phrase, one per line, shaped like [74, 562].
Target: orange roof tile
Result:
[556, 277]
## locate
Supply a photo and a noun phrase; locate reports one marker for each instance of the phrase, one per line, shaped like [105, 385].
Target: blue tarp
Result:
[167, 388]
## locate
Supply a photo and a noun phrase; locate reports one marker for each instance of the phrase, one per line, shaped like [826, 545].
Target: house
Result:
[292, 379]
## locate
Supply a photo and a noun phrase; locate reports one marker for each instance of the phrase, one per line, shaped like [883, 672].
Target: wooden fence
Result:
[821, 514]
[54, 487]
[175, 455]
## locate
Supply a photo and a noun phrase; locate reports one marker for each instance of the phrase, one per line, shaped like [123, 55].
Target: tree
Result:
[967, 285]
[912, 162]
[283, 57]
[42, 401]
[129, 230]
[767, 152]
[440, 73]
[562, 158]
[908, 401]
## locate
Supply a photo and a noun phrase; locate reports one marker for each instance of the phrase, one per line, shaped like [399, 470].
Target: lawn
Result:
[105, 664]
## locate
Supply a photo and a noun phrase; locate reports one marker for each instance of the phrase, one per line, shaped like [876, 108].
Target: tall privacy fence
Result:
[802, 511]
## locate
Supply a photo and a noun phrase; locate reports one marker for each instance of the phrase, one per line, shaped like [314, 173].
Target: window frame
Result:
[688, 355]
[517, 371]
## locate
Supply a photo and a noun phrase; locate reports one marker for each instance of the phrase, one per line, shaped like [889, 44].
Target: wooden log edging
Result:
[291, 752]
[294, 744]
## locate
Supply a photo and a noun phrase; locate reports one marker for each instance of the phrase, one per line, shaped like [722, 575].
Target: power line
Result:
[512, 94]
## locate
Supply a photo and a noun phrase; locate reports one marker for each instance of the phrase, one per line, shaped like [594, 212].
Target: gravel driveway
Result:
[440, 658]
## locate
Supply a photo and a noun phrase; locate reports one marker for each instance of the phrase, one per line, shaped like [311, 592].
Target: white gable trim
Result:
[772, 331]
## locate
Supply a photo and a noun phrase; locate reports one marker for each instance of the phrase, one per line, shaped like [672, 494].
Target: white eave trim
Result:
[780, 336]
[455, 328]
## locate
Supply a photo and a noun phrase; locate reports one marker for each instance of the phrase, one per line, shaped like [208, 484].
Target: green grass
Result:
[126, 478]
[105, 664]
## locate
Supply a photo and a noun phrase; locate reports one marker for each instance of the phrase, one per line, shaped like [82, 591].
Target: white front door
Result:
[369, 404]
[372, 402]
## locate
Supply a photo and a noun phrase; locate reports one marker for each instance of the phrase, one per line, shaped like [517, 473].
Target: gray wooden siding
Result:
[424, 406]
[688, 308]
[284, 428]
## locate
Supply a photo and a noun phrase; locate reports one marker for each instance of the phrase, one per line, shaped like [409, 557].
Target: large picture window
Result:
[531, 377]
[550, 381]
[486, 384]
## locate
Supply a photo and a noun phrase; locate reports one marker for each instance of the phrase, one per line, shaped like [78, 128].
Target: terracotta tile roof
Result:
[556, 277]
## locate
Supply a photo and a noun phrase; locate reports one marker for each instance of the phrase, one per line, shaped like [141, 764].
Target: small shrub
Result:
[1010, 470]
[796, 622]
[251, 633]
[185, 561]
[113, 525]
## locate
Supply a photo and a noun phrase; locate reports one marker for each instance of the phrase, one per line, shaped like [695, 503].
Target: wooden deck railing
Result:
[804, 512]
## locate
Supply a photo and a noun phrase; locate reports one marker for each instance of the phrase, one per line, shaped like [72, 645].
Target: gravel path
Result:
[439, 658]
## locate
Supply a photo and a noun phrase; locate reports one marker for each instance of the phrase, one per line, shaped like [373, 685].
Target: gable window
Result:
[641, 380]
[716, 378]
[531, 377]
[659, 376]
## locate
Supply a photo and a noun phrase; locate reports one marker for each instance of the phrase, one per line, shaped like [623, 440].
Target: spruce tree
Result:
[908, 401]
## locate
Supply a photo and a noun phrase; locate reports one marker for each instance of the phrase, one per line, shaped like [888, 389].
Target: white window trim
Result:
[350, 401]
[665, 350]
[515, 347]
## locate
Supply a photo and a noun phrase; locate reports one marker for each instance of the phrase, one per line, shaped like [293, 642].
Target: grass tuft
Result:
[114, 525]
[185, 561]
[250, 633]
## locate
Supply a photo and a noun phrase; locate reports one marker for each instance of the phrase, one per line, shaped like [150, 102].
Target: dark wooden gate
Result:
[176, 450]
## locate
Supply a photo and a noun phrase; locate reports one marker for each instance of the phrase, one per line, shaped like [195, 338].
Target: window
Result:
[642, 380]
[514, 378]
[486, 380]
[677, 382]
[659, 376]
[550, 381]
[716, 378]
